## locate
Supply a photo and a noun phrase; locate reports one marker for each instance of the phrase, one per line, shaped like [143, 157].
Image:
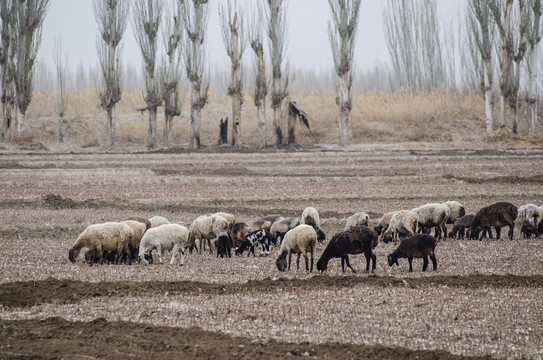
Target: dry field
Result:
[483, 301]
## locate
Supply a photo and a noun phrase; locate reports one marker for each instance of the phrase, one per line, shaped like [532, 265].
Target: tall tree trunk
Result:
[110, 126]
[532, 92]
[277, 114]
[20, 121]
[151, 133]
[488, 95]
[195, 120]
[61, 129]
[261, 117]
[168, 126]
[344, 109]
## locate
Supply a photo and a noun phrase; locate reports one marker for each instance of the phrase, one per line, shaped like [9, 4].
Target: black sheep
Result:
[498, 215]
[417, 246]
[357, 240]
[460, 226]
[224, 244]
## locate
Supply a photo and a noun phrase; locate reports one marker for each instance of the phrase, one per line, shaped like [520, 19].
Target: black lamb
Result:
[417, 246]
[357, 240]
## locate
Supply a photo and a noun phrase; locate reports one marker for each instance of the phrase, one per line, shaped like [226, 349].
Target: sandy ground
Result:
[483, 301]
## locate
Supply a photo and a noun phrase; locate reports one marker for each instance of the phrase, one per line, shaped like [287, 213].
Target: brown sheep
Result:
[498, 215]
[417, 246]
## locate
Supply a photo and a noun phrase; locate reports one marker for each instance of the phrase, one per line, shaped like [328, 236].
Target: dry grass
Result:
[436, 116]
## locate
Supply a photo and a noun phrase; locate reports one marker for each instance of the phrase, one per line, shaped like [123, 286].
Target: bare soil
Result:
[483, 301]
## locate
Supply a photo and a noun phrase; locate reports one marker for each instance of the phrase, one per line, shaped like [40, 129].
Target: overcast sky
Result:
[74, 23]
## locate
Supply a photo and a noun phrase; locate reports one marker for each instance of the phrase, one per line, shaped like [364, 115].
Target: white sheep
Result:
[158, 220]
[139, 230]
[530, 213]
[280, 228]
[456, 210]
[301, 240]
[402, 222]
[171, 237]
[310, 216]
[433, 215]
[229, 217]
[357, 219]
[383, 223]
[205, 228]
[109, 236]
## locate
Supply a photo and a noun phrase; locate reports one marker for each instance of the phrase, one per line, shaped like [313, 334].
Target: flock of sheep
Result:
[136, 238]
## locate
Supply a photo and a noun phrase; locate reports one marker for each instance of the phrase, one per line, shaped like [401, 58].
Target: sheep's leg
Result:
[346, 257]
[342, 264]
[444, 229]
[425, 263]
[498, 232]
[511, 228]
[374, 260]
[289, 258]
[159, 253]
[434, 261]
[410, 260]
[175, 250]
[201, 245]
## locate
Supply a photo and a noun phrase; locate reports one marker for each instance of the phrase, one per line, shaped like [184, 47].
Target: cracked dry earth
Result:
[484, 301]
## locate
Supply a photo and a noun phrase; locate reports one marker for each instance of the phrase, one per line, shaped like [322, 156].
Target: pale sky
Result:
[74, 23]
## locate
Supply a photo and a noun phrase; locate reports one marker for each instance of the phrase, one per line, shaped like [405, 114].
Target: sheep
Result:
[528, 212]
[357, 219]
[356, 240]
[239, 231]
[460, 226]
[158, 220]
[224, 244]
[498, 215]
[527, 229]
[273, 218]
[300, 240]
[310, 216]
[261, 237]
[141, 220]
[109, 236]
[417, 246]
[456, 210]
[206, 228]
[433, 215]
[139, 230]
[280, 228]
[173, 237]
[383, 223]
[402, 222]
[261, 224]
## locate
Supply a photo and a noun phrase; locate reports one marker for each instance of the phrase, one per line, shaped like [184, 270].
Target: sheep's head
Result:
[392, 260]
[388, 238]
[378, 229]
[321, 236]
[282, 261]
[322, 265]
[72, 254]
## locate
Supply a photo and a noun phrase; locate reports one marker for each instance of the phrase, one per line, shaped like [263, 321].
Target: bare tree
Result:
[260, 89]
[342, 35]
[147, 15]
[196, 18]
[8, 14]
[413, 41]
[171, 70]
[60, 67]
[513, 48]
[111, 16]
[30, 16]
[277, 26]
[534, 33]
[479, 27]
[234, 41]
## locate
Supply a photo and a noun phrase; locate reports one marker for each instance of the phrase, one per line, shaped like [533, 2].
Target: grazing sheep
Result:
[528, 212]
[158, 220]
[134, 244]
[172, 237]
[301, 240]
[205, 228]
[273, 218]
[498, 215]
[310, 216]
[261, 224]
[460, 226]
[433, 215]
[417, 246]
[402, 222]
[356, 240]
[239, 231]
[527, 229]
[456, 210]
[280, 228]
[110, 236]
[383, 223]
[261, 237]
[141, 220]
[357, 219]
[224, 244]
